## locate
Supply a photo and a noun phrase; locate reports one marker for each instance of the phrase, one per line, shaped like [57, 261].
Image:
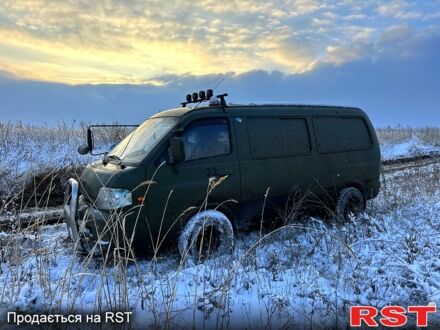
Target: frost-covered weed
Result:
[31, 156]
[305, 273]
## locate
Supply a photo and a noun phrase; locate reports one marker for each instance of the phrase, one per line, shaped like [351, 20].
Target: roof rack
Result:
[203, 96]
[301, 105]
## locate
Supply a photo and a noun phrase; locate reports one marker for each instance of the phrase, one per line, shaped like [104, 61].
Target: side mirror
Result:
[83, 150]
[177, 150]
[89, 139]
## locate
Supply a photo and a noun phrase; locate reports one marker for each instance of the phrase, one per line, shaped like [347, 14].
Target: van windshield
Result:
[142, 140]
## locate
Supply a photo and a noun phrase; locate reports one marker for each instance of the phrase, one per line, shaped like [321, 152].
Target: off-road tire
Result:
[203, 225]
[351, 202]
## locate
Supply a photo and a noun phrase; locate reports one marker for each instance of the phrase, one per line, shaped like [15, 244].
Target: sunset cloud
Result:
[135, 41]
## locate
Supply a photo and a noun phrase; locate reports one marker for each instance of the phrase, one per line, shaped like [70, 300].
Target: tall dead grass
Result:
[30, 154]
[305, 273]
[301, 274]
[399, 134]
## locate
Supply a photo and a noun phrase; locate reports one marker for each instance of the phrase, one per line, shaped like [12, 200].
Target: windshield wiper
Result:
[107, 159]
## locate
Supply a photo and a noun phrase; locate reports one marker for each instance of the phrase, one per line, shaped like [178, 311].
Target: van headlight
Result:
[110, 198]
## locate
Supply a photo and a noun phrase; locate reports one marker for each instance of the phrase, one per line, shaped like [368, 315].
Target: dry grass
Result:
[399, 134]
[31, 155]
[304, 273]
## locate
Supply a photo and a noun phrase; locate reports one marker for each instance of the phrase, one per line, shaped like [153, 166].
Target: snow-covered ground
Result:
[411, 147]
[27, 151]
[305, 274]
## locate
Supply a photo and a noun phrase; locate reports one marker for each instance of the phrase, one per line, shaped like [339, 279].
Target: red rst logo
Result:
[391, 316]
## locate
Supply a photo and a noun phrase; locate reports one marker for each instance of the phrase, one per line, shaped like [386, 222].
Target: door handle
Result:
[212, 172]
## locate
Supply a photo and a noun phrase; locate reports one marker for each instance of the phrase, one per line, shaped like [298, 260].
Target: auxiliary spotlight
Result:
[202, 95]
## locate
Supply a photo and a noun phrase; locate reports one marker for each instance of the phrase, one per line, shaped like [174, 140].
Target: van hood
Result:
[97, 175]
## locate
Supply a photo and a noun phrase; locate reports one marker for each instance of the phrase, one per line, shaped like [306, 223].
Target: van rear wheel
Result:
[207, 234]
[351, 203]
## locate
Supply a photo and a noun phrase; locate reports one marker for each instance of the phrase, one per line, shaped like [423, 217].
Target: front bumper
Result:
[87, 226]
[70, 207]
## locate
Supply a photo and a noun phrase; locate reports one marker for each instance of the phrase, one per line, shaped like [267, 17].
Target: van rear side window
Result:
[341, 134]
[278, 137]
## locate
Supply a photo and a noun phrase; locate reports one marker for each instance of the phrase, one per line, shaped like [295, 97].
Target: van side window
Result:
[341, 134]
[278, 137]
[206, 138]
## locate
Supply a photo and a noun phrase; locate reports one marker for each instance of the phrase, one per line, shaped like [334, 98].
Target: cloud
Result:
[343, 54]
[393, 90]
[396, 34]
[399, 9]
[113, 41]
[434, 15]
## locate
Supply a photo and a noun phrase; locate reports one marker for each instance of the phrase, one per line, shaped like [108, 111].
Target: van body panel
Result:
[278, 149]
[97, 175]
[273, 171]
[339, 166]
[185, 185]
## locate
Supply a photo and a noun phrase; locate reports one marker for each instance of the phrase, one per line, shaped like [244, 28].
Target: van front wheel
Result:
[351, 203]
[207, 234]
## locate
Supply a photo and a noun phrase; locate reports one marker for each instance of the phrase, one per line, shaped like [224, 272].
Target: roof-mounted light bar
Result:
[203, 96]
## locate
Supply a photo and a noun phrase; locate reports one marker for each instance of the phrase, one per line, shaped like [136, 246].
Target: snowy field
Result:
[28, 151]
[306, 273]
[407, 142]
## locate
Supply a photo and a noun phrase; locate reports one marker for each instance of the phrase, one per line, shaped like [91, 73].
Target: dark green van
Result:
[190, 173]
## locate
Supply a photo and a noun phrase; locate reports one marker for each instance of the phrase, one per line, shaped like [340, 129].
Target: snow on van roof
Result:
[181, 111]
[302, 105]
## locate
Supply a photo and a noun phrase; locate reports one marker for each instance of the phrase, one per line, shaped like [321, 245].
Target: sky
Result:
[124, 60]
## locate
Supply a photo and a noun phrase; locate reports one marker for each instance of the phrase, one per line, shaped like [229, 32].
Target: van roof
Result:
[177, 112]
